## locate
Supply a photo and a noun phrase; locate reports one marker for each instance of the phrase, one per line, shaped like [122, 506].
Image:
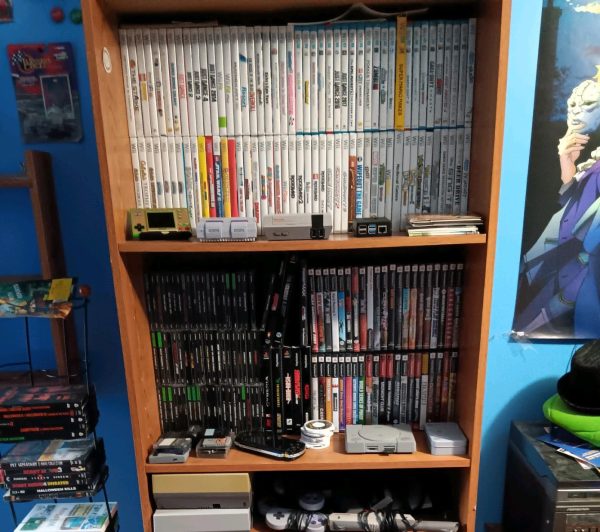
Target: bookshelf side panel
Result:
[106, 86]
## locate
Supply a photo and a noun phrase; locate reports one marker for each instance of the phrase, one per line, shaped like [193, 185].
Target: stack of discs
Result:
[316, 433]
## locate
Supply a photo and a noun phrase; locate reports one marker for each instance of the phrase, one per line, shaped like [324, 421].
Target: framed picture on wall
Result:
[6, 11]
[558, 295]
[46, 92]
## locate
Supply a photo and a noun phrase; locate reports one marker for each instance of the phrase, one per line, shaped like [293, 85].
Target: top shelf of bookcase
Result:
[334, 243]
[154, 7]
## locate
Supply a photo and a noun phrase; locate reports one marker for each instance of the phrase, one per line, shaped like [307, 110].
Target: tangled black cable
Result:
[299, 521]
[386, 522]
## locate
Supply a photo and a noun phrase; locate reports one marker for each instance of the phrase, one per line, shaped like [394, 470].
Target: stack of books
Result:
[53, 517]
[50, 469]
[46, 412]
[444, 224]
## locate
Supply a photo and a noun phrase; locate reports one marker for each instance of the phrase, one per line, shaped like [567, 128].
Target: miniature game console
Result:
[202, 490]
[380, 439]
[195, 520]
[297, 226]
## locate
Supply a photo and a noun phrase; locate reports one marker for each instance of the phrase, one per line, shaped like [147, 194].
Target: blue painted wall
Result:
[519, 377]
[84, 235]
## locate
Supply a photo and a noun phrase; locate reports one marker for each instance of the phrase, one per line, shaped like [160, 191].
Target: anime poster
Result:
[558, 294]
[46, 92]
[6, 11]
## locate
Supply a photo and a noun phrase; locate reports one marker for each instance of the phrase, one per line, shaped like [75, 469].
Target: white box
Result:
[445, 439]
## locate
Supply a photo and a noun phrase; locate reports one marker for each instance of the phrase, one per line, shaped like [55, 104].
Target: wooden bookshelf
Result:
[128, 259]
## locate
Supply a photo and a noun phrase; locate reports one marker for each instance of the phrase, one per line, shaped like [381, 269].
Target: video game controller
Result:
[317, 523]
[277, 518]
[313, 501]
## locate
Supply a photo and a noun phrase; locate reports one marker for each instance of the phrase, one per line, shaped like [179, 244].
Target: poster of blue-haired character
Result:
[558, 294]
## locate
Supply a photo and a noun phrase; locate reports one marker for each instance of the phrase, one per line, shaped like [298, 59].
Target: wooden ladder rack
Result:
[37, 178]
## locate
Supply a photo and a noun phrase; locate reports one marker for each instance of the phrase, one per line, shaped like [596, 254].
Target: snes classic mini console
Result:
[380, 439]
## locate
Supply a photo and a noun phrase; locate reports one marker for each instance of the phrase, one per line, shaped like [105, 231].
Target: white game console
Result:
[352, 521]
[297, 226]
[379, 439]
[193, 520]
[445, 439]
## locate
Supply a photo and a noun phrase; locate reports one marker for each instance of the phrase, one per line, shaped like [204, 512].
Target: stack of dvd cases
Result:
[354, 119]
[50, 469]
[43, 412]
[206, 348]
[384, 343]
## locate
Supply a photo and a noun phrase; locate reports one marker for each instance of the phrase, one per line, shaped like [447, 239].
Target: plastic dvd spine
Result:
[375, 77]
[262, 168]
[166, 172]
[306, 81]
[267, 80]
[154, 105]
[367, 154]
[158, 175]
[137, 183]
[359, 187]
[423, 74]
[285, 175]
[470, 72]
[351, 188]
[189, 81]
[416, 74]
[282, 71]
[127, 84]
[181, 82]
[243, 56]
[315, 176]
[269, 161]
[391, 92]
[290, 79]
[274, 77]
[251, 65]
[344, 80]
[204, 83]
[360, 79]
[322, 171]
[258, 81]
[144, 177]
[277, 178]
[329, 77]
[293, 177]
[299, 80]
[321, 73]
[232, 79]
[352, 79]
[212, 80]
[337, 80]
[220, 33]
[375, 162]
[384, 82]
[313, 83]
[307, 157]
[300, 174]
[195, 46]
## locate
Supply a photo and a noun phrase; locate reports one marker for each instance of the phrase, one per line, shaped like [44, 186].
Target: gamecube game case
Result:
[48, 298]
[46, 92]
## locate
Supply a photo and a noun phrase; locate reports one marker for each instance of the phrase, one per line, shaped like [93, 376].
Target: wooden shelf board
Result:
[335, 242]
[147, 7]
[332, 458]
